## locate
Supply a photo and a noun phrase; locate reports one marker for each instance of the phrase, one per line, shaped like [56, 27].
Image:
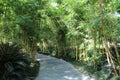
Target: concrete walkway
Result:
[56, 69]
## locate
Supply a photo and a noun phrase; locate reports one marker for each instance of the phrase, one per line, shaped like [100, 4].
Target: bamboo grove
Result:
[85, 30]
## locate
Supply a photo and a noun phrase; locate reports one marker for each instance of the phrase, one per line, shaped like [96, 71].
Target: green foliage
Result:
[71, 55]
[16, 64]
[64, 27]
[116, 78]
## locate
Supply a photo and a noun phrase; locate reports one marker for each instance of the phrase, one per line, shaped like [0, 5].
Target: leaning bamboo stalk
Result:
[109, 57]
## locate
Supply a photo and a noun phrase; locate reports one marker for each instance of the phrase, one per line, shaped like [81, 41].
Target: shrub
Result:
[14, 63]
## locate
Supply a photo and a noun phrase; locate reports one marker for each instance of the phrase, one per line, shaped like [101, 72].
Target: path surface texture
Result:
[56, 69]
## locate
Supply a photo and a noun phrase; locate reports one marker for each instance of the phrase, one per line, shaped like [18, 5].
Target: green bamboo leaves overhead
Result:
[78, 29]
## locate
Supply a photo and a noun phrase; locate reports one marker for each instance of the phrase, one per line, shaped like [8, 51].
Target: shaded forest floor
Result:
[90, 70]
[103, 74]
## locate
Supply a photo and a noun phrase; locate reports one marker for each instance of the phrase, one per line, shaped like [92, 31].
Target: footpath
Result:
[57, 69]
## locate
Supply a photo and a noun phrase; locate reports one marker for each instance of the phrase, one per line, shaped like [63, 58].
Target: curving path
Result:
[56, 69]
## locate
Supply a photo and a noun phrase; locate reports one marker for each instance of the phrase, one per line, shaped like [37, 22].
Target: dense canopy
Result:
[76, 30]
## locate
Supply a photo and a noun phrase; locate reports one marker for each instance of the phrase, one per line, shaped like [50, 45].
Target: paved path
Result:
[56, 69]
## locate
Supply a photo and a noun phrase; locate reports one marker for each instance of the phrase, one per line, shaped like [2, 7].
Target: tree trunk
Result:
[65, 53]
[2, 34]
[58, 51]
[94, 52]
[76, 49]
[34, 50]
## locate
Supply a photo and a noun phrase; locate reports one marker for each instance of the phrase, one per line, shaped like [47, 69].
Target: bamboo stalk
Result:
[109, 57]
